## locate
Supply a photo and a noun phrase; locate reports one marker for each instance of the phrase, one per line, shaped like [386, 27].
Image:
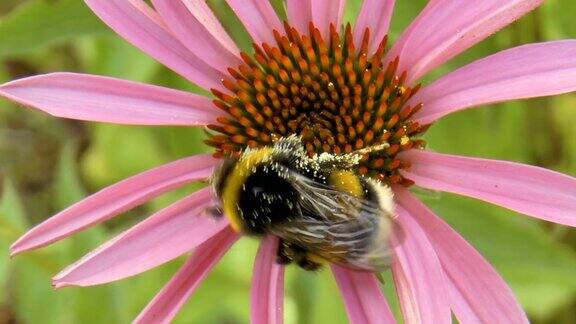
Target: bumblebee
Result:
[319, 208]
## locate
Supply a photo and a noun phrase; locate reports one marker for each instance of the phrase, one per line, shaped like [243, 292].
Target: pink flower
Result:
[433, 267]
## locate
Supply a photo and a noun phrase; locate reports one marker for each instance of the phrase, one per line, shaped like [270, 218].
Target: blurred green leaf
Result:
[303, 288]
[34, 299]
[3, 78]
[557, 19]
[118, 151]
[231, 24]
[351, 11]
[329, 307]
[12, 214]
[12, 224]
[36, 24]
[68, 188]
[404, 13]
[564, 116]
[112, 56]
[280, 9]
[498, 131]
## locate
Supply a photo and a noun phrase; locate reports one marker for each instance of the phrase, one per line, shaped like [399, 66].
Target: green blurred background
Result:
[47, 163]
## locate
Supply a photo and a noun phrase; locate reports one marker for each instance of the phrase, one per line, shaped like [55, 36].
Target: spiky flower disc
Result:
[337, 98]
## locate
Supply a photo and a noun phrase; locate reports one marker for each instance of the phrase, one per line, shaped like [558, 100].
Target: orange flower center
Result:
[339, 99]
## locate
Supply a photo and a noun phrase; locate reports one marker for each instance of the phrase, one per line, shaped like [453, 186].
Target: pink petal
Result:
[326, 12]
[103, 99]
[145, 9]
[375, 15]
[160, 238]
[477, 293]
[194, 24]
[267, 285]
[116, 199]
[418, 275]
[163, 308]
[299, 14]
[259, 18]
[138, 26]
[527, 71]
[526, 189]
[363, 297]
[445, 28]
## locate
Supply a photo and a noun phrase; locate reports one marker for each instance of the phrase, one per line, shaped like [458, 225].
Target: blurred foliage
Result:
[46, 164]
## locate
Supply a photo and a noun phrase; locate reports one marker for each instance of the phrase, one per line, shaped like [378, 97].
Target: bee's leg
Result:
[304, 261]
[307, 264]
[214, 211]
[286, 253]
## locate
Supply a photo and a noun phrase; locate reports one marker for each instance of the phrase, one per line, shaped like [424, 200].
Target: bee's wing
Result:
[339, 227]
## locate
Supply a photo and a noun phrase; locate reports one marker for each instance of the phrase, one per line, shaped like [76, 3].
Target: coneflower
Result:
[340, 89]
